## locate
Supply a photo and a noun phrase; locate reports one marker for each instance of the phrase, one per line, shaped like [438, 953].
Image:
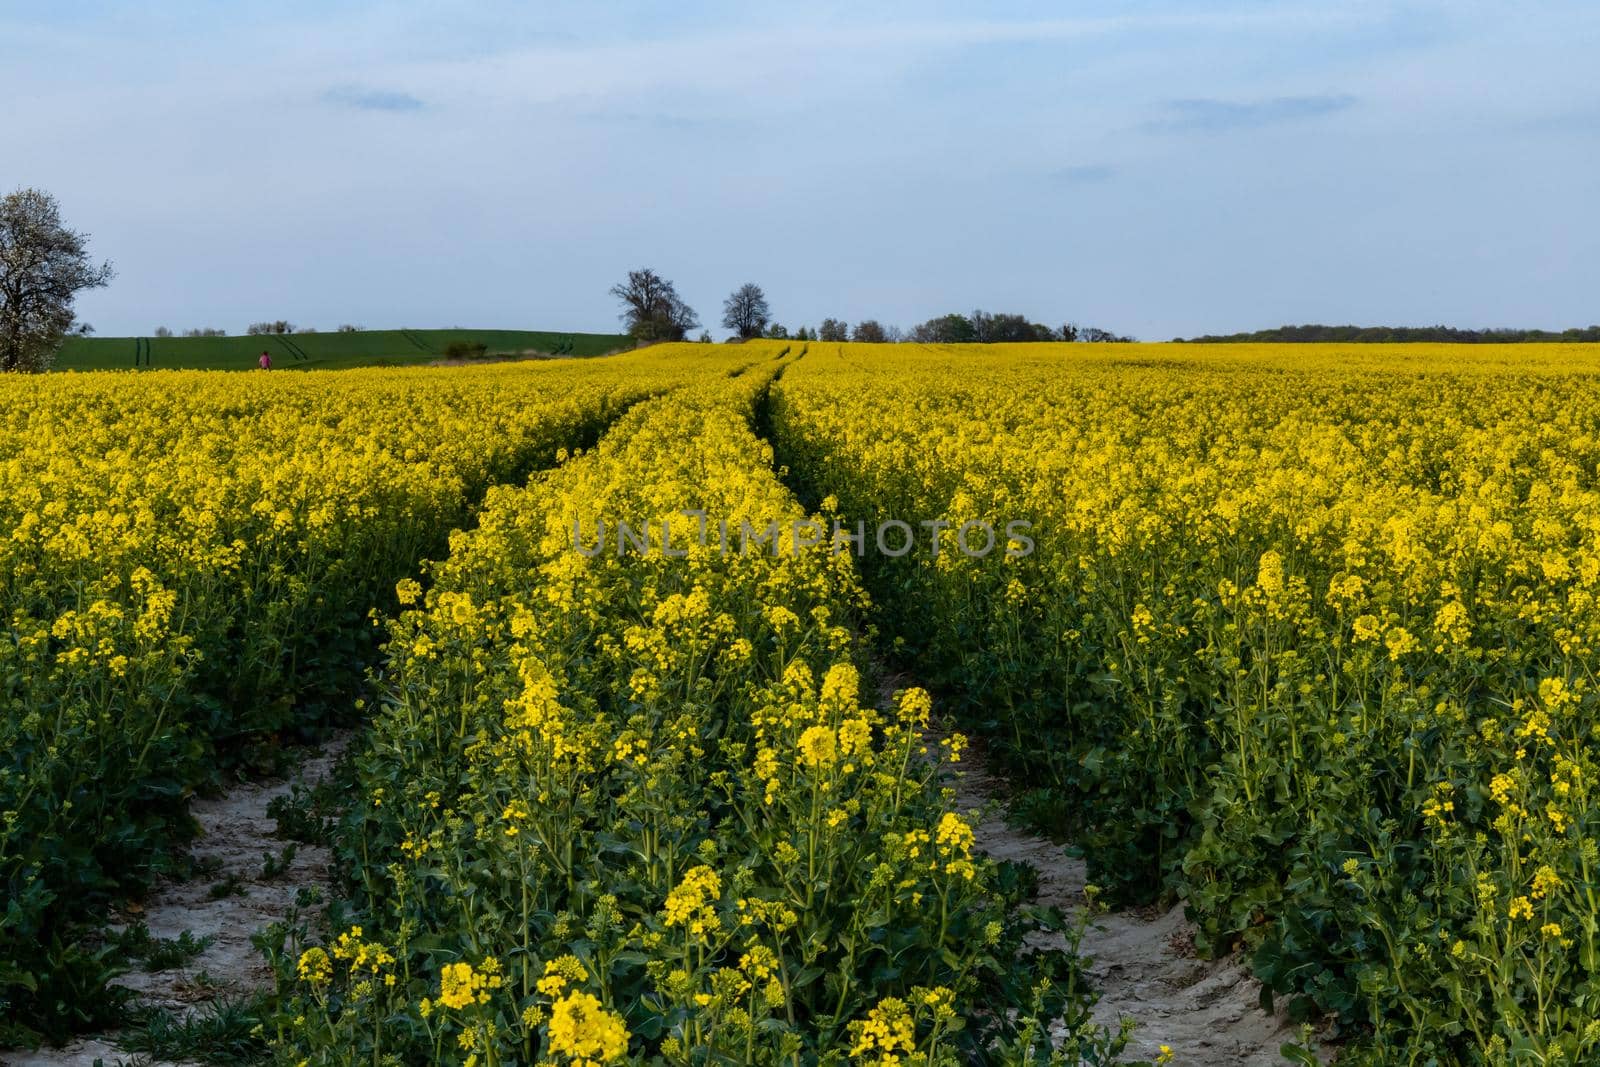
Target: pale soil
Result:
[235, 833]
[1143, 965]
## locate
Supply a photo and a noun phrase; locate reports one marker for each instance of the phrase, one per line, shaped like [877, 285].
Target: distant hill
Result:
[1393, 334]
[325, 351]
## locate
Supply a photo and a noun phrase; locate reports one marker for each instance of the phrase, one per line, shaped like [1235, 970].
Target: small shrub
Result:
[466, 350]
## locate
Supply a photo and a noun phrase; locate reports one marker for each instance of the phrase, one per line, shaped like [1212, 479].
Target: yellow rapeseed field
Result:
[1300, 634]
[1308, 638]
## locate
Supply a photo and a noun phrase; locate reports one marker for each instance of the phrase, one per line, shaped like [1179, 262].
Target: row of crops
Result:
[188, 565]
[1307, 638]
[637, 804]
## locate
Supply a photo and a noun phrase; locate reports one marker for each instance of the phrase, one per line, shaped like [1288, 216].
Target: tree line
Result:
[255, 329]
[1397, 334]
[653, 311]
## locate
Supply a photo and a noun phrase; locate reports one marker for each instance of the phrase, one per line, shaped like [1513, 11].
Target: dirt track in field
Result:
[236, 833]
[1143, 963]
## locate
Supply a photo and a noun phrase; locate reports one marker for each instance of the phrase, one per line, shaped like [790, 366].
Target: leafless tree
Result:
[43, 267]
[745, 312]
[652, 308]
[162, 331]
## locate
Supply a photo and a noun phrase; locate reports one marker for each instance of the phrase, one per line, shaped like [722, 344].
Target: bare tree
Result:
[652, 308]
[43, 267]
[1095, 334]
[870, 331]
[263, 329]
[162, 331]
[745, 312]
[833, 330]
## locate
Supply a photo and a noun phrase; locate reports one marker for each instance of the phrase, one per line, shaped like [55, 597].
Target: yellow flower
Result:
[954, 835]
[559, 972]
[314, 967]
[461, 986]
[515, 814]
[691, 903]
[818, 747]
[583, 1030]
[915, 707]
[887, 1029]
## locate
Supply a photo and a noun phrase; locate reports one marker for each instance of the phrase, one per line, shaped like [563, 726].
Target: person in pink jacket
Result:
[265, 361]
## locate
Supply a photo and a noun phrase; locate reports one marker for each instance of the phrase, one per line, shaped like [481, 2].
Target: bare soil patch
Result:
[230, 902]
[1142, 960]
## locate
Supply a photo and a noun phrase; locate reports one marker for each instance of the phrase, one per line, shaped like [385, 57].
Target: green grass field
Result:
[322, 351]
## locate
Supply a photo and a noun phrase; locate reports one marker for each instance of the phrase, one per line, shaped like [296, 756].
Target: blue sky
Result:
[1158, 168]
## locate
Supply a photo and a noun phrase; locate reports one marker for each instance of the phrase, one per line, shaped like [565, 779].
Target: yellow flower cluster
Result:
[692, 903]
[460, 985]
[582, 1030]
[1258, 571]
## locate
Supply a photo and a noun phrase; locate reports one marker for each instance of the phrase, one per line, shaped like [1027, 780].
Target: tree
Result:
[162, 331]
[945, 330]
[833, 330]
[263, 329]
[745, 312]
[652, 309]
[869, 331]
[43, 267]
[777, 331]
[1002, 327]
